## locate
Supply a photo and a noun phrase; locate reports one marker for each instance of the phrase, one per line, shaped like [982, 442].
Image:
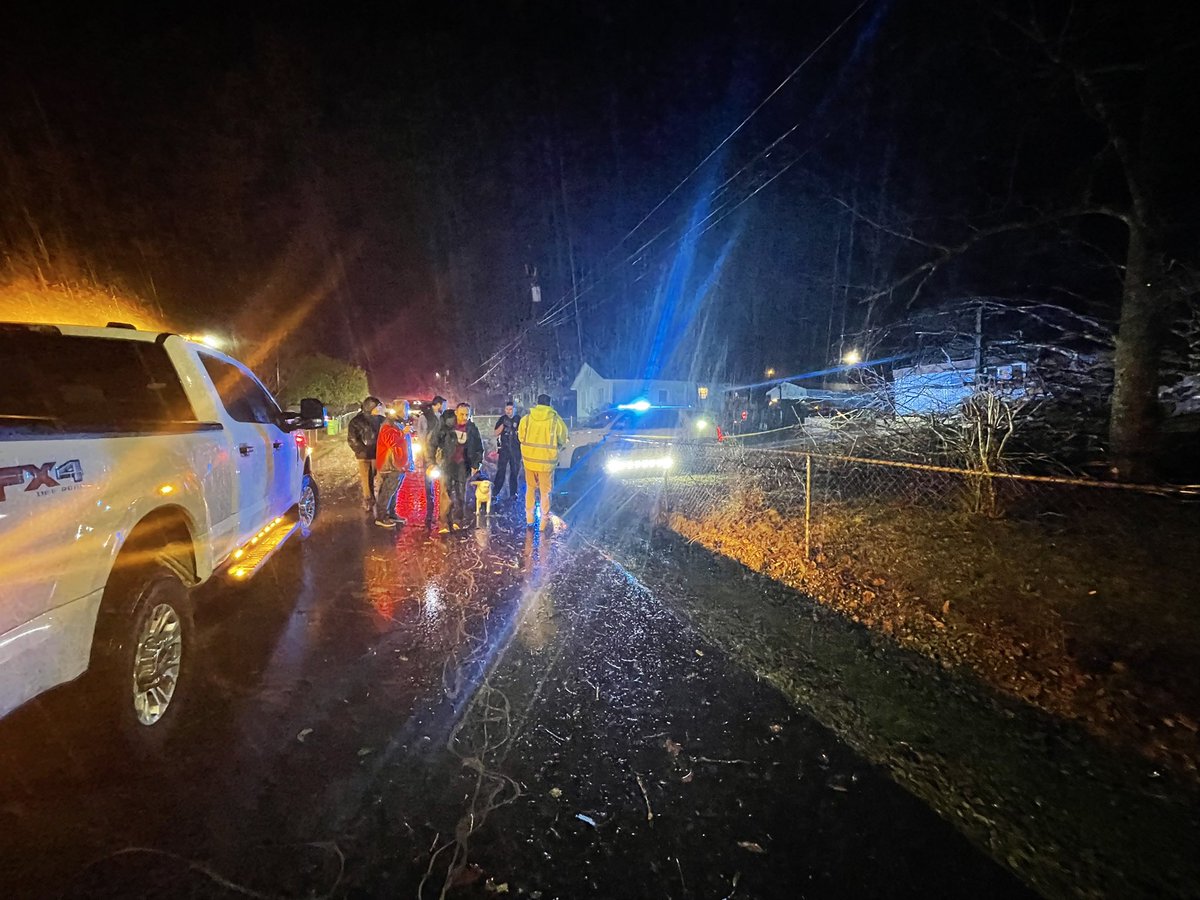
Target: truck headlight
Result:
[616, 465]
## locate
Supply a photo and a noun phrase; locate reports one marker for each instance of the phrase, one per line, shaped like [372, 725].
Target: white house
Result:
[941, 387]
[785, 390]
[594, 392]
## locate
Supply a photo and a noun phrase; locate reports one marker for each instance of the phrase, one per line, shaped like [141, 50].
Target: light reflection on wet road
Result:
[384, 712]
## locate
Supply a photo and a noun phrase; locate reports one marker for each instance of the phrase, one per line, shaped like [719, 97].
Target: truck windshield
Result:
[655, 420]
[55, 382]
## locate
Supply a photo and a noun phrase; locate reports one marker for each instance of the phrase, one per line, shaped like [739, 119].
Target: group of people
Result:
[386, 446]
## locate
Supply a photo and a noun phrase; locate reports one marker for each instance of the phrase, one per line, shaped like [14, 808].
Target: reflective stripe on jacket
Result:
[542, 434]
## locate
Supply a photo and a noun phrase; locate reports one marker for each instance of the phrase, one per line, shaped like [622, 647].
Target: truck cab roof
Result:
[112, 330]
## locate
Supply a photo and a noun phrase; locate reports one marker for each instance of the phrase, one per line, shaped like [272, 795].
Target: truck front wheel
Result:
[144, 654]
[308, 505]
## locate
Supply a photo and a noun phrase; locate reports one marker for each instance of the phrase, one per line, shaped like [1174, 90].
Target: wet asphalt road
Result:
[395, 714]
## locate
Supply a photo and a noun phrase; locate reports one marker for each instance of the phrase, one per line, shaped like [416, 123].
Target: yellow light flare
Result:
[26, 300]
[166, 489]
[239, 553]
[298, 308]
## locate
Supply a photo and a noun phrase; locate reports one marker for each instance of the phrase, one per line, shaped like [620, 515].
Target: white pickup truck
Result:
[133, 466]
[634, 432]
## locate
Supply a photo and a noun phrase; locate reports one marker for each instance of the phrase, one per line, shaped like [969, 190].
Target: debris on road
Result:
[752, 846]
[303, 734]
[561, 740]
[645, 796]
[466, 876]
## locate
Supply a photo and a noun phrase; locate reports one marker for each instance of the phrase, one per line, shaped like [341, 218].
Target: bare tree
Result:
[1128, 99]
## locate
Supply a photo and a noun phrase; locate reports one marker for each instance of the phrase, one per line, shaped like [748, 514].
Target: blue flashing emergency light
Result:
[637, 406]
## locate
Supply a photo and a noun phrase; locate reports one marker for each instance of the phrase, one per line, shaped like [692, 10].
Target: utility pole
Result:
[562, 190]
[978, 341]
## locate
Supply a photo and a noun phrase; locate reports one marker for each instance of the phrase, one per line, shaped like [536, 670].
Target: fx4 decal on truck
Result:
[47, 475]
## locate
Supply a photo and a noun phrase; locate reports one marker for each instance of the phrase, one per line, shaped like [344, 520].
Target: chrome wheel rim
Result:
[307, 506]
[156, 663]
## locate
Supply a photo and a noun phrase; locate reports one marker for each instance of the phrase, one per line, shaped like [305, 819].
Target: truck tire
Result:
[143, 655]
[308, 506]
[587, 467]
[583, 456]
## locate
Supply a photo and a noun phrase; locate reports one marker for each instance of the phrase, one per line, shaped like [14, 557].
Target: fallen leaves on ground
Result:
[1018, 621]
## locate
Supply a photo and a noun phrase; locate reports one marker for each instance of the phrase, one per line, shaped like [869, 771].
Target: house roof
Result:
[584, 370]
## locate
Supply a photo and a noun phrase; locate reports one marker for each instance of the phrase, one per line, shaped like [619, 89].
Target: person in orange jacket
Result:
[391, 461]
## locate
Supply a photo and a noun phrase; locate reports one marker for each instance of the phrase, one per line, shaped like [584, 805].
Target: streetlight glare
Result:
[208, 340]
[852, 358]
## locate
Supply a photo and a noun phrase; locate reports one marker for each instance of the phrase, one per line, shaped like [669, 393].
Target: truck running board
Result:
[249, 559]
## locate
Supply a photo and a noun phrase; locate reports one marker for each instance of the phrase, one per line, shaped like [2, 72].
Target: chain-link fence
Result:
[813, 489]
[1087, 585]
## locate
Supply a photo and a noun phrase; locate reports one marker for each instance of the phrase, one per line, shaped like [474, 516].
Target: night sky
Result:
[374, 182]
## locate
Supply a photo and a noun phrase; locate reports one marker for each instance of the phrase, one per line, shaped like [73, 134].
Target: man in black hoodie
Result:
[362, 434]
[460, 455]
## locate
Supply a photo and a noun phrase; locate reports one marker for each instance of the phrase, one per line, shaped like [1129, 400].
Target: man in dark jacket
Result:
[362, 435]
[460, 454]
[509, 446]
[429, 432]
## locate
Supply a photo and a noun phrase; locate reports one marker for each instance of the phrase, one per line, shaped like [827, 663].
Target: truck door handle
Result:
[276, 444]
[245, 449]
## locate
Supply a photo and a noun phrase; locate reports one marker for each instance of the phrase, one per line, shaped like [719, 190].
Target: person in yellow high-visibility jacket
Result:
[542, 434]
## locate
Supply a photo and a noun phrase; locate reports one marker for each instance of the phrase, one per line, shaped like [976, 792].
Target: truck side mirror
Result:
[312, 412]
[312, 415]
